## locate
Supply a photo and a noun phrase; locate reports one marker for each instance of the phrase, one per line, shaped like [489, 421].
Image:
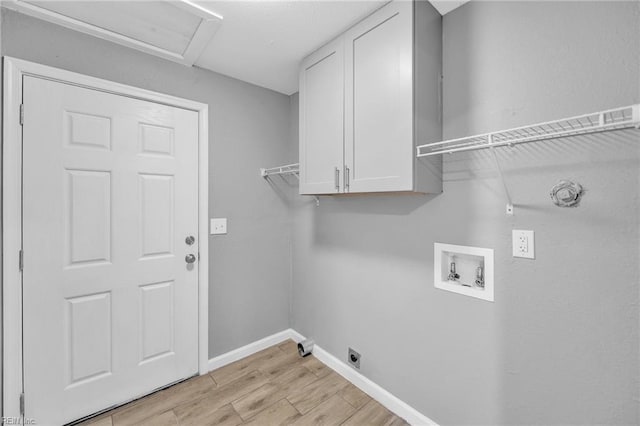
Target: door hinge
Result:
[22, 404]
[21, 114]
[21, 260]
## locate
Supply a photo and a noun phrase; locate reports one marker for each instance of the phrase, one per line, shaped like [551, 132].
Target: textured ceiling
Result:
[262, 42]
[258, 41]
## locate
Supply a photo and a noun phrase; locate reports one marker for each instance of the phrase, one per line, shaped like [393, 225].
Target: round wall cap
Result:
[566, 193]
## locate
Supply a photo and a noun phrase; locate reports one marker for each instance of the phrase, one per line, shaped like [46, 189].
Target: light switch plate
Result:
[218, 225]
[523, 244]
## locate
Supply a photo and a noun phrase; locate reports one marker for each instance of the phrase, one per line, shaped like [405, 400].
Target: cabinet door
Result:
[322, 120]
[379, 153]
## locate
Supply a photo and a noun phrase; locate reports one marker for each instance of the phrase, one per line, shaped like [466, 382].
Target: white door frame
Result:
[14, 71]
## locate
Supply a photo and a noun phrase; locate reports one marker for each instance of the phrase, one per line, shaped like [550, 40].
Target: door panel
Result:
[156, 140]
[89, 335]
[87, 131]
[156, 313]
[109, 195]
[156, 214]
[321, 120]
[89, 234]
[379, 101]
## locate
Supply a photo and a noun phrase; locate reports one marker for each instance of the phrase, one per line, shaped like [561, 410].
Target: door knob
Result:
[190, 258]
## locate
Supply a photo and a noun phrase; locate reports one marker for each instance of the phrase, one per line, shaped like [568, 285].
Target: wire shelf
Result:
[613, 119]
[289, 169]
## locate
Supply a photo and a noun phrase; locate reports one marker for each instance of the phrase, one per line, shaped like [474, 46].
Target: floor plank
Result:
[354, 396]
[293, 380]
[256, 401]
[271, 387]
[397, 421]
[317, 392]
[333, 411]
[280, 413]
[164, 400]
[200, 414]
[165, 419]
[98, 421]
[242, 386]
[278, 365]
[237, 369]
[198, 410]
[288, 346]
[316, 367]
[372, 414]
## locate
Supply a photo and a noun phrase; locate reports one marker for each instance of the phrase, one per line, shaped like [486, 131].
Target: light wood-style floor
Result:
[272, 387]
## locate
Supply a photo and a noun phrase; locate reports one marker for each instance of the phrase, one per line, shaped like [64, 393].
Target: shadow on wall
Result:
[575, 154]
[379, 204]
[367, 223]
[283, 186]
[473, 199]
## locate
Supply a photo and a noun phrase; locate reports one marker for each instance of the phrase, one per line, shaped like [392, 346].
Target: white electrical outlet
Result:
[523, 244]
[218, 225]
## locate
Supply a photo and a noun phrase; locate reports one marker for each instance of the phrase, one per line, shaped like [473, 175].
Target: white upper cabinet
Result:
[379, 101]
[359, 112]
[322, 120]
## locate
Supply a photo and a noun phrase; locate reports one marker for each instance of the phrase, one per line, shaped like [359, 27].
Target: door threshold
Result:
[113, 407]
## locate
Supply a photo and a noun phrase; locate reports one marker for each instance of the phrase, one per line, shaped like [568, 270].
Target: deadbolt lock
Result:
[190, 240]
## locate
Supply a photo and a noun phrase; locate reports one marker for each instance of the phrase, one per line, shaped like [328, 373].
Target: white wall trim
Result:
[384, 397]
[14, 71]
[250, 349]
[377, 392]
[209, 24]
[295, 336]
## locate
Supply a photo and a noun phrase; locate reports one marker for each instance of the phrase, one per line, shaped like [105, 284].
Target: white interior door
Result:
[109, 196]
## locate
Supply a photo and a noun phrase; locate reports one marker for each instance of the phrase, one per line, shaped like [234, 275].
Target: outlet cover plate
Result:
[218, 225]
[523, 244]
[354, 358]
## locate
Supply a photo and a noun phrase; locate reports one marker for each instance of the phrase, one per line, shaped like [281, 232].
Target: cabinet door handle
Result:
[337, 179]
[346, 177]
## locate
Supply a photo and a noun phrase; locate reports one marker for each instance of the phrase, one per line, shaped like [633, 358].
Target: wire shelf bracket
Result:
[509, 208]
[613, 119]
[289, 169]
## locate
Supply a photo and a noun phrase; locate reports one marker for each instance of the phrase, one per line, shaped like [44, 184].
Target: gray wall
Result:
[560, 343]
[249, 129]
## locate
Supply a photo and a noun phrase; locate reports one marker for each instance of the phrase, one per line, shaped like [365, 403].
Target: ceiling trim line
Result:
[207, 28]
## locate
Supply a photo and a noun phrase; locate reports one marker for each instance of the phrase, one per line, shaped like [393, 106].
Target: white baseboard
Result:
[250, 349]
[384, 397]
[295, 336]
[375, 391]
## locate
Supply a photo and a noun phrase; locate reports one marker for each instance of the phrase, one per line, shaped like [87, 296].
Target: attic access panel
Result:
[174, 30]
